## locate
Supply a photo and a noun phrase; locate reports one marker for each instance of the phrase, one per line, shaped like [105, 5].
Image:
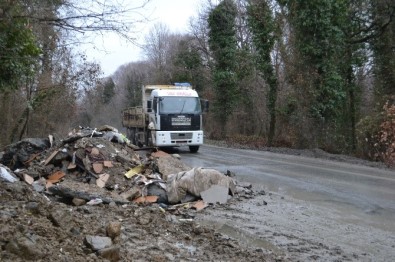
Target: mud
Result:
[39, 228]
[300, 220]
[296, 231]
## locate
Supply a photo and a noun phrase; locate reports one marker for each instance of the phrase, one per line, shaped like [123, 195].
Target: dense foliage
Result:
[19, 48]
[317, 73]
[264, 29]
[222, 41]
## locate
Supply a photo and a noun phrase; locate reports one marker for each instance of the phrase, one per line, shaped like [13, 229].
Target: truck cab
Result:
[175, 117]
[170, 116]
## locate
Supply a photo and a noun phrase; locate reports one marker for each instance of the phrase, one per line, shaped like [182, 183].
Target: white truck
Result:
[170, 116]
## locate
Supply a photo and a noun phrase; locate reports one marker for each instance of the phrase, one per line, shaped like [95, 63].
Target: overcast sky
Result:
[174, 13]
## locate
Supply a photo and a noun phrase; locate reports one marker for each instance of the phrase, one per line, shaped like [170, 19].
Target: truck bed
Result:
[133, 117]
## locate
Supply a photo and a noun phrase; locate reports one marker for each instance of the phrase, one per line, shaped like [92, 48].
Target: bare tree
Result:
[99, 16]
[48, 97]
[156, 50]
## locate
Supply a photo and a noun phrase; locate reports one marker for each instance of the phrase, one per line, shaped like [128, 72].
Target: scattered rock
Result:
[78, 201]
[110, 253]
[26, 248]
[113, 229]
[6, 174]
[39, 185]
[61, 218]
[33, 207]
[97, 242]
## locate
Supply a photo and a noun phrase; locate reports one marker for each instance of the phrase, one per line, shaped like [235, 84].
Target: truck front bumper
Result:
[178, 138]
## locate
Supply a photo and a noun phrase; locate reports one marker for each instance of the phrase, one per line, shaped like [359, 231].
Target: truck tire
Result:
[193, 149]
[132, 136]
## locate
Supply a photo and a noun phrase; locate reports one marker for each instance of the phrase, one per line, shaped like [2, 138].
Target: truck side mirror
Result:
[205, 105]
[149, 106]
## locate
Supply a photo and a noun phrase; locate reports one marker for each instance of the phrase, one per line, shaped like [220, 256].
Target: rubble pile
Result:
[93, 196]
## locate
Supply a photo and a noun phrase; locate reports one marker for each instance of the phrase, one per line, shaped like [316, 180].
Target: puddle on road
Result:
[349, 209]
[244, 238]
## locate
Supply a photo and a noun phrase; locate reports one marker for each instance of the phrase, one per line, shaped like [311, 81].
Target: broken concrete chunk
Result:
[39, 185]
[215, 194]
[102, 180]
[7, 175]
[28, 179]
[95, 201]
[98, 242]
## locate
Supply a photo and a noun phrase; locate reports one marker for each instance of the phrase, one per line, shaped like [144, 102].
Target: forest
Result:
[278, 73]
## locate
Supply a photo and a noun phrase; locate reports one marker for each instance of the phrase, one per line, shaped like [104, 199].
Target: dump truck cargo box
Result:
[133, 117]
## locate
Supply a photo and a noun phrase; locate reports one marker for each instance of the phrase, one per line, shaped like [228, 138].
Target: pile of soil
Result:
[38, 228]
[58, 209]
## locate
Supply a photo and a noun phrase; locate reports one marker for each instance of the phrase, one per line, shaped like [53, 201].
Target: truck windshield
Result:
[179, 105]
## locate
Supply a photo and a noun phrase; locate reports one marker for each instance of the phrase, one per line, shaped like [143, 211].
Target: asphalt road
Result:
[352, 196]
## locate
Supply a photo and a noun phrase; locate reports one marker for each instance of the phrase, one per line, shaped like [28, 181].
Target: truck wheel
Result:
[193, 149]
[132, 136]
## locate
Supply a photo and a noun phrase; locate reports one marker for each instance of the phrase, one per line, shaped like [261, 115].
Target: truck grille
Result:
[173, 122]
[177, 136]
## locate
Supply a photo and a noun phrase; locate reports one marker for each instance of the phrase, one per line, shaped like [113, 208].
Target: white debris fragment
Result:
[94, 201]
[7, 175]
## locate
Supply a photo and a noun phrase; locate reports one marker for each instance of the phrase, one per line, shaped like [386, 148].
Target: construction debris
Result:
[215, 194]
[196, 181]
[60, 191]
[6, 174]
[100, 163]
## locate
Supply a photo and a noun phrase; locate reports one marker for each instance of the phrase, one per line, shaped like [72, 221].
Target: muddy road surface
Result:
[313, 209]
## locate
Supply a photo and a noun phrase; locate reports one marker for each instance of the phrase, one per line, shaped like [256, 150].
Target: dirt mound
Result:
[86, 198]
[39, 229]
